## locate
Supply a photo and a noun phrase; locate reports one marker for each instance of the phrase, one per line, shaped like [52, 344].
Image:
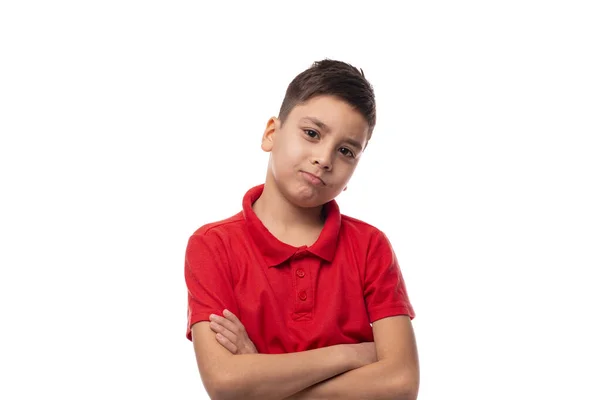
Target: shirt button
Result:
[302, 295]
[300, 273]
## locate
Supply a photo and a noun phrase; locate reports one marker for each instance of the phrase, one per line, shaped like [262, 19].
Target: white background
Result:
[127, 125]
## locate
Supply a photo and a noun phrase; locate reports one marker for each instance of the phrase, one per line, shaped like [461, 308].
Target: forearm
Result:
[378, 381]
[277, 376]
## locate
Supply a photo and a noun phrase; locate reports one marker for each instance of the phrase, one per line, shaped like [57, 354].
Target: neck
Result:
[280, 216]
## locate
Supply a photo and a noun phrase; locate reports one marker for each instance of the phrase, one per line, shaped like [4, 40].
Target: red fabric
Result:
[294, 298]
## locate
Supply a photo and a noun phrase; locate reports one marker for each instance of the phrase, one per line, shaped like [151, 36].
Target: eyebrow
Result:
[318, 123]
[322, 125]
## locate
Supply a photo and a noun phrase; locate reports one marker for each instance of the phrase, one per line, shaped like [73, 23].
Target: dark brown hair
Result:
[334, 78]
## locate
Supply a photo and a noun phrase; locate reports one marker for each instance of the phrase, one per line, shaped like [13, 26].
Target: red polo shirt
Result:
[294, 298]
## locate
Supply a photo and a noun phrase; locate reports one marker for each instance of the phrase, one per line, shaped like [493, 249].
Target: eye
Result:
[311, 133]
[347, 152]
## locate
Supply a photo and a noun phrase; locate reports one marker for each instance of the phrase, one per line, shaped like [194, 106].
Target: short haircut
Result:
[333, 78]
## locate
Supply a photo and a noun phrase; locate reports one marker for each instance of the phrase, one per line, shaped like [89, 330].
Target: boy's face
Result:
[314, 154]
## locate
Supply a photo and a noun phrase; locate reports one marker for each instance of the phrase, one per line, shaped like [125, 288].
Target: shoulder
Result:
[355, 227]
[219, 233]
[224, 226]
[212, 243]
[365, 236]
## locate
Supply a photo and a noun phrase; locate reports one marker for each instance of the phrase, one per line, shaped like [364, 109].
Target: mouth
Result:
[315, 180]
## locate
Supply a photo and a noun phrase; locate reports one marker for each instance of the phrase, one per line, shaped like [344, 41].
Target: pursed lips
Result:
[315, 176]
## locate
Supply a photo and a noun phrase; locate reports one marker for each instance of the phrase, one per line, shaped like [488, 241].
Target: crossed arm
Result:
[231, 369]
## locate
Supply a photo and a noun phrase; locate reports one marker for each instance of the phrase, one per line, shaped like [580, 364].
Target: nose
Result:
[322, 161]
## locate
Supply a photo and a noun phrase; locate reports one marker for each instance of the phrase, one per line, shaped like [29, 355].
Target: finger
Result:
[232, 337]
[227, 324]
[232, 317]
[226, 343]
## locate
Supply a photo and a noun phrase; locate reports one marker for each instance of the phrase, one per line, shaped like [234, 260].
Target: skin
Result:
[231, 334]
[312, 158]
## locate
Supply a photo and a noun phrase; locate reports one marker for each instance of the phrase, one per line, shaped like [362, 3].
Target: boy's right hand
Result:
[364, 354]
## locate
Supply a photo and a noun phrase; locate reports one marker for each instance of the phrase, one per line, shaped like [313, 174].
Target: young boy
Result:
[289, 298]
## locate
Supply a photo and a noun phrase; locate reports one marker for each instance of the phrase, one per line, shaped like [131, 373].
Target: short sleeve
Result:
[384, 288]
[208, 279]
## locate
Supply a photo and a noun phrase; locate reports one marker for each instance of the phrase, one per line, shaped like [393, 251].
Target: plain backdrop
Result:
[126, 125]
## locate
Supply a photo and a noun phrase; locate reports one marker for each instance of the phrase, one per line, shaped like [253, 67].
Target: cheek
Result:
[346, 170]
[289, 151]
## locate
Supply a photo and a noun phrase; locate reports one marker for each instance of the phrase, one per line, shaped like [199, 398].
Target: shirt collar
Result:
[275, 251]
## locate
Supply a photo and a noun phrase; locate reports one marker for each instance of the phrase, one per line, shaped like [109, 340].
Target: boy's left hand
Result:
[231, 334]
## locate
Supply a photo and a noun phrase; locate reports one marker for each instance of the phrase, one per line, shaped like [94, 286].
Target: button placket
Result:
[302, 284]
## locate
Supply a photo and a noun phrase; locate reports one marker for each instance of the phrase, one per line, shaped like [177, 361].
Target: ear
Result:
[268, 136]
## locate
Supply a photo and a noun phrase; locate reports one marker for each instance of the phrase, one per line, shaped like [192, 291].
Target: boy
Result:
[289, 298]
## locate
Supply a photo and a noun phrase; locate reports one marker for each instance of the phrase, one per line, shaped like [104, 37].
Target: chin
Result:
[304, 195]
[308, 197]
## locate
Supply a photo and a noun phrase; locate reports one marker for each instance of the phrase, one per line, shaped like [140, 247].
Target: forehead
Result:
[338, 115]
